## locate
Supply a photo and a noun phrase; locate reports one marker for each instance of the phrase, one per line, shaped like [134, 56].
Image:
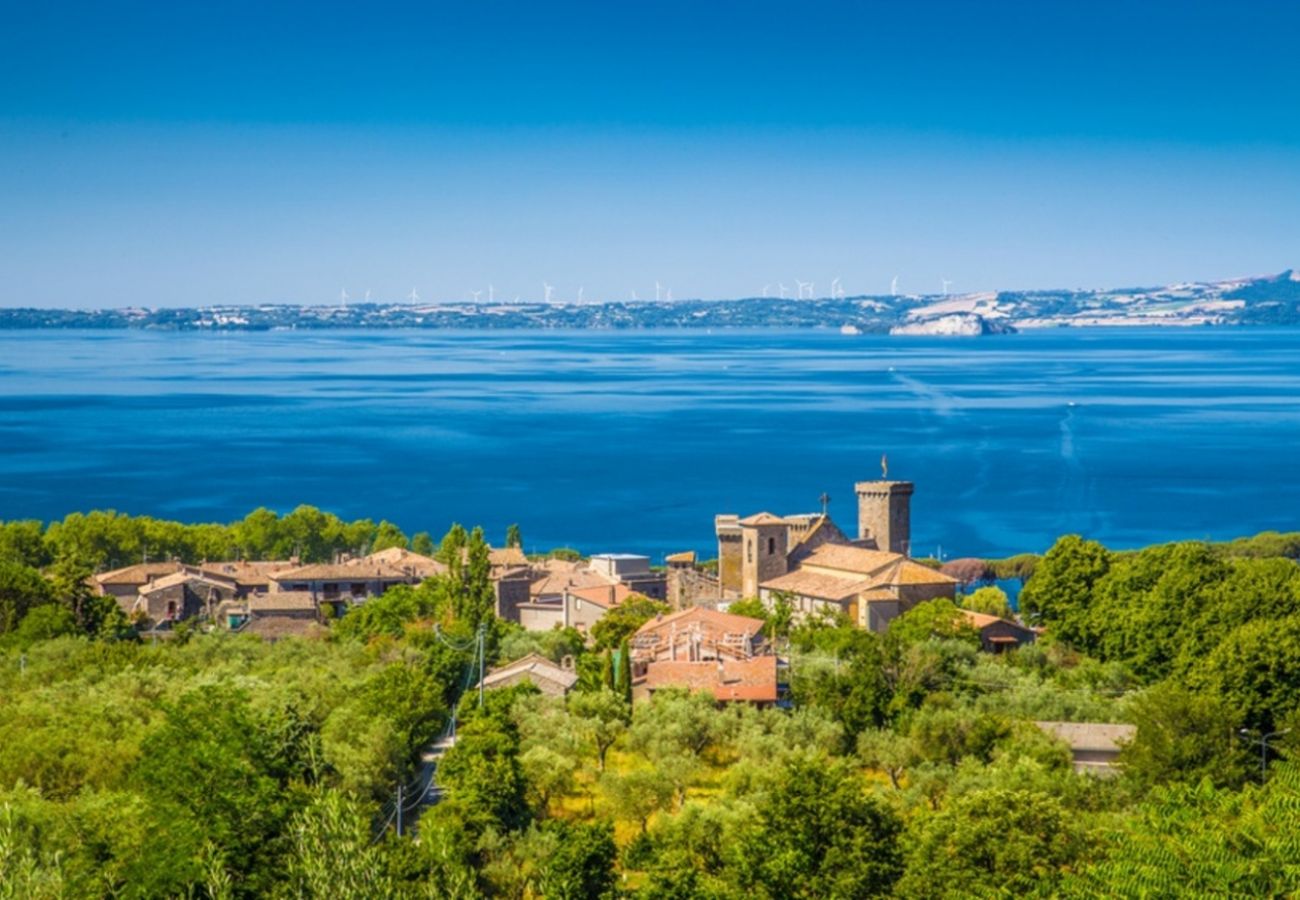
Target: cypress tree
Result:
[607, 670]
[624, 681]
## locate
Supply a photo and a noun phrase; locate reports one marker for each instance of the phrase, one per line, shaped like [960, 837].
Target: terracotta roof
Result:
[245, 572]
[602, 595]
[845, 558]
[402, 558]
[280, 600]
[140, 573]
[708, 620]
[1090, 735]
[277, 627]
[508, 556]
[909, 572]
[752, 680]
[821, 586]
[687, 556]
[981, 620]
[533, 665]
[571, 579]
[353, 570]
[763, 518]
[183, 577]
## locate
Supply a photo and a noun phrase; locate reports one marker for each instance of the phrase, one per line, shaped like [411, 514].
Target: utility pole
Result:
[399, 809]
[1263, 741]
[482, 632]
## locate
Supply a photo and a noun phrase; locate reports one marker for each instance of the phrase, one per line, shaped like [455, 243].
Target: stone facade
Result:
[884, 514]
[730, 554]
[765, 545]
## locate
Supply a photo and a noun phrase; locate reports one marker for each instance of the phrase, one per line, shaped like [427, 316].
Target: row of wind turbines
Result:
[804, 290]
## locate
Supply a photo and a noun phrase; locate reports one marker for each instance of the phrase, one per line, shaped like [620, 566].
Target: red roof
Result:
[752, 680]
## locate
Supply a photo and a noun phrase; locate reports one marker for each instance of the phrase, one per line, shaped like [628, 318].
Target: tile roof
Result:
[763, 518]
[607, 596]
[281, 600]
[709, 622]
[910, 572]
[245, 572]
[508, 556]
[687, 556]
[572, 579]
[277, 627]
[847, 558]
[818, 585]
[753, 680]
[1090, 735]
[183, 577]
[140, 573]
[534, 665]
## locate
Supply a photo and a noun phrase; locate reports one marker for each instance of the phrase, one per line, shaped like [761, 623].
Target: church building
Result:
[809, 561]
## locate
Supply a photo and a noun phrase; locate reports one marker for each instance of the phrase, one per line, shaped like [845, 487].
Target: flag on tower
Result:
[884, 467]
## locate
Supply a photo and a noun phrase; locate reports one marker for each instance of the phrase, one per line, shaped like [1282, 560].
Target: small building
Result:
[697, 634]
[756, 681]
[631, 570]
[548, 677]
[998, 634]
[182, 595]
[579, 608]
[1094, 746]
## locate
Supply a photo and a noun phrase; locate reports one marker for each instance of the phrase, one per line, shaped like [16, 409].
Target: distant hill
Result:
[1265, 300]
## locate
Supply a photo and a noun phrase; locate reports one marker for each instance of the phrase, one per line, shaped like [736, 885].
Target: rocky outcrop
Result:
[954, 325]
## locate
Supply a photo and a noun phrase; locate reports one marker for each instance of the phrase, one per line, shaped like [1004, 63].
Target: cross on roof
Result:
[825, 498]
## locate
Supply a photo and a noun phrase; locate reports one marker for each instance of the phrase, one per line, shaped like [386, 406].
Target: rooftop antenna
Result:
[413, 296]
[893, 287]
[547, 289]
[946, 282]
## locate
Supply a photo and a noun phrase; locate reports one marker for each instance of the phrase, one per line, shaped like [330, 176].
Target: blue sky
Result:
[172, 154]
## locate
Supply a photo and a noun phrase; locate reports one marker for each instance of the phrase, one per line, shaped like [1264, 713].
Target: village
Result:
[803, 563]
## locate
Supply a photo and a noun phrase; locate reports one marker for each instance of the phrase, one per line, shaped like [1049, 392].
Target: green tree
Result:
[820, 833]
[1060, 591]
[623, 677]
[989, 599]
[623, 620]
[387, 536]
[636, 795]
[334, 855]
[514, 538]
[582, 864]
[1184, 736]
[602, 718]
[21, 588]
[1253, 669]
[992, 843]
[422, 544]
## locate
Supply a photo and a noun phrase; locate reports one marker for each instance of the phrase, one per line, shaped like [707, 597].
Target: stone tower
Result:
[885, 514]
[765, 540]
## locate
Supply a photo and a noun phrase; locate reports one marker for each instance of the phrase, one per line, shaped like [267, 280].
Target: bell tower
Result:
[885, 514]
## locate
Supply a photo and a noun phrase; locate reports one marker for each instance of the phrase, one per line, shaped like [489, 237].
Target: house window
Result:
[771, 546]
[749, 551]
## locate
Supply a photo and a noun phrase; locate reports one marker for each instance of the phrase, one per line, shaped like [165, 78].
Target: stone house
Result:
[698, 634]
[1094, 746]
[756, 681]
[998, 634]
[548, 677]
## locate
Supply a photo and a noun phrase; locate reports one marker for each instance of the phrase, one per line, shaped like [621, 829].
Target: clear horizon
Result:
[157, 156]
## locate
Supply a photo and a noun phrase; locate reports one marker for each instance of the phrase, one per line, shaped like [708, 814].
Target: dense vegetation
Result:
[219, 766]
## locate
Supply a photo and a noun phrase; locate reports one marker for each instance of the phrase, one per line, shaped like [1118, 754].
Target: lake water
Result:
[632, 441]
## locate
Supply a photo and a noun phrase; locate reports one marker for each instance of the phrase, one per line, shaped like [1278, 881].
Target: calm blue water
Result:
[632, 441]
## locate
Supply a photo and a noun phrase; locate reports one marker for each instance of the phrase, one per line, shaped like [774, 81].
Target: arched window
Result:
[771, 546]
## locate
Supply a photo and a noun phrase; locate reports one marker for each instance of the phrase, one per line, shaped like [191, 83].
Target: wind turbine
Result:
[766, 287]
[491, 293]
[476, 295]
[781, 287]
[893, 287]
[367, 295]
[801, 285]
[946, 282]
[635, 298]
[658, 295]
[668, 297]
[413, 296]
[837, 292]
[580, 289]
[343, 296]
[546, 291]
